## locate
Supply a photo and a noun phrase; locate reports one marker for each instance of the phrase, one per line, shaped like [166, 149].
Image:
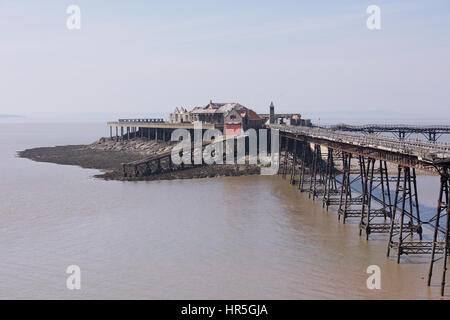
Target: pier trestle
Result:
[441, 236]
[406, 215]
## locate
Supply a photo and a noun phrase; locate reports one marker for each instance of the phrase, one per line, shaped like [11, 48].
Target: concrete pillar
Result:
[163, 134]
[110, 132]
[128, 133]
[117, 133]
[121, 133]
[156, 134]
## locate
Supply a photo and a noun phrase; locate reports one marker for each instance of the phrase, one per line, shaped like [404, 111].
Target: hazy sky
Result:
[313, 57]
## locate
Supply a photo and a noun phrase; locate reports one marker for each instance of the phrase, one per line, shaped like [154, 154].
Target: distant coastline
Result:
[7, 116]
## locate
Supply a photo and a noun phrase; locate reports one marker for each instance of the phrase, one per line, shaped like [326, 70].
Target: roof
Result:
[252, 115]
[180, 110]
[231, 106]
[215, 105]
[212, 108]
[222, 108]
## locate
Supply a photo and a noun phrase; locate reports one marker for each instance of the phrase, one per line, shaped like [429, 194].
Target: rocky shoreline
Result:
[108, 155]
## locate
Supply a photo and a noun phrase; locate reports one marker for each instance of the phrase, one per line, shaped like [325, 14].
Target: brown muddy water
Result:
[219, 238]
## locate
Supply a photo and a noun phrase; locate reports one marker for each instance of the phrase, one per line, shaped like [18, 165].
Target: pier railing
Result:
[150, 120]
[388, 127]
[418, 148]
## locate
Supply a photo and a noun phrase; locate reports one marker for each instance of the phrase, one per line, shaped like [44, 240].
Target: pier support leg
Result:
[368, 177]
[406, 202]
[281, 154]
[294, 163]
[345, 187]
[385, 190]
[402, 214]
[415, 201]
[441, 235]
[286, 155]
[394, 211]
[303, 166]
[446, 251]
[317, 159]
[373, 207]
[331, 190]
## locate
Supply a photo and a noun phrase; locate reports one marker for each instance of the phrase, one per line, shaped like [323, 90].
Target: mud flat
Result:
[108, 156]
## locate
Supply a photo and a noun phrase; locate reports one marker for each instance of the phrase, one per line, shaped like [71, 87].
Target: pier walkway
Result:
[352, 172]
[401, 131]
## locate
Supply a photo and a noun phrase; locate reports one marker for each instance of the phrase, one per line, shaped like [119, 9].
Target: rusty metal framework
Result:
[417, 154]
[441, 241]
[360, 186]
[351, 173]
[304, 169]
[331, 193]
[401, 132]
[350, 201]
[374, 208]
[405, 221]
[316, 179]
[284, 145]
[294, 163]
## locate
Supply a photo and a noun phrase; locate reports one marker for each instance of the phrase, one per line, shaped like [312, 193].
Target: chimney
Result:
[272, 114]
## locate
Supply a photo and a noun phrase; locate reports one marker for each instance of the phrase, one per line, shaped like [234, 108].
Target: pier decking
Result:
[148, 128]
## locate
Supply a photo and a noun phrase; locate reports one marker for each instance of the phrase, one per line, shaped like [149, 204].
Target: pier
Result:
[350, 172]
[155, 129]
[402, 132]
[345, 167]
